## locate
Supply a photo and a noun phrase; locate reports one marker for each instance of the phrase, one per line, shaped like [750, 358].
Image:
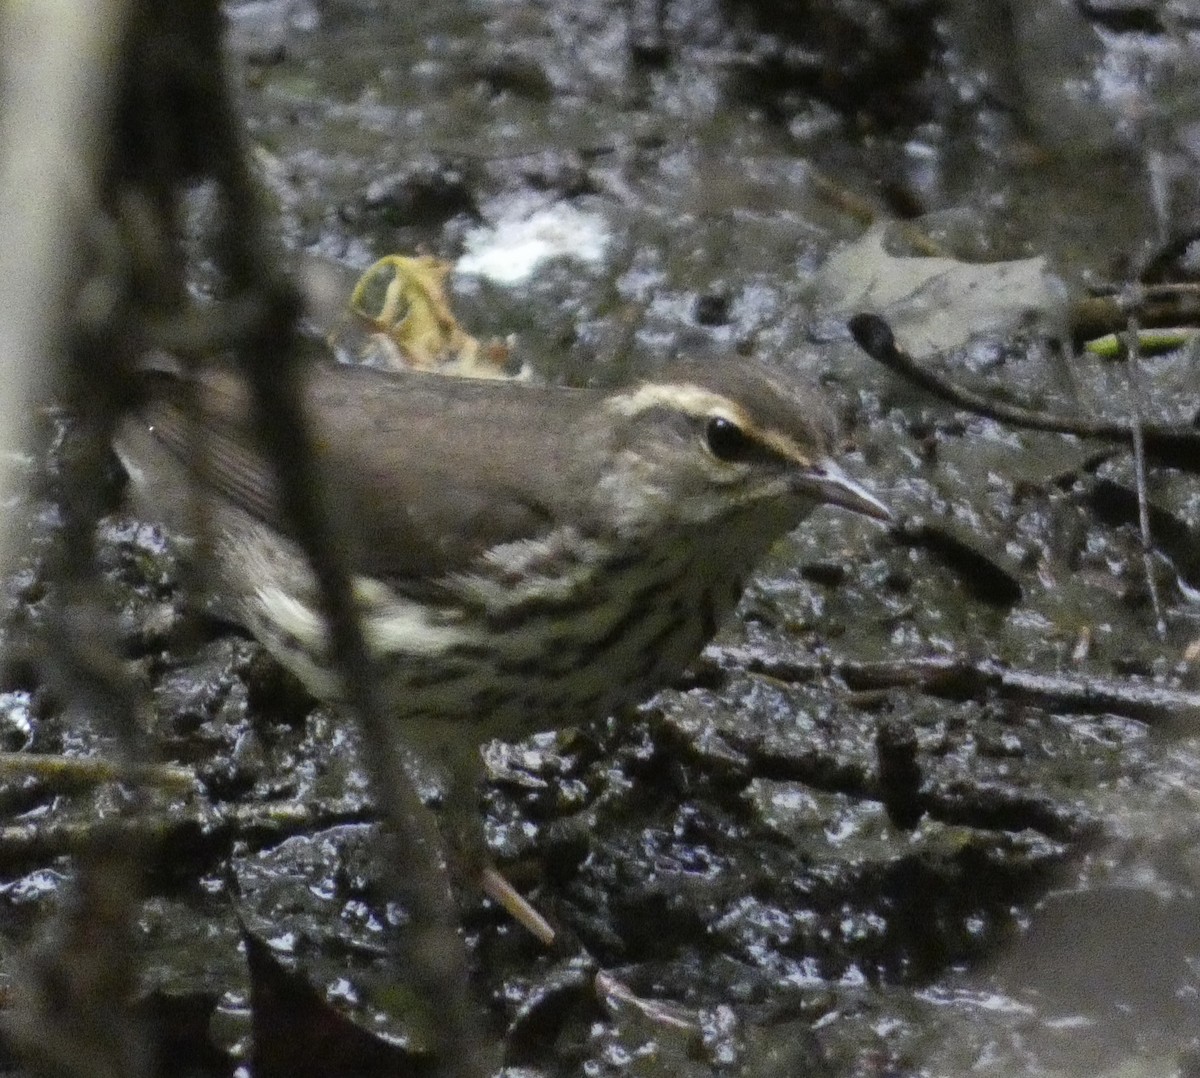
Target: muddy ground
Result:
[931, 804]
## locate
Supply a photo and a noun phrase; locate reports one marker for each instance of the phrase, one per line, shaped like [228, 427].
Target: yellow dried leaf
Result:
[402, 301]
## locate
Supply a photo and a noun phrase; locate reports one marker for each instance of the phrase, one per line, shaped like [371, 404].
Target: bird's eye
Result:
[727, 441]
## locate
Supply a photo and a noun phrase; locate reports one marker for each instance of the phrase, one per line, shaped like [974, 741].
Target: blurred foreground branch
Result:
[113, 112]
[72, 1013]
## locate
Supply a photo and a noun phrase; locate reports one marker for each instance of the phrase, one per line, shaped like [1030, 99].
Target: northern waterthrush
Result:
[527, 557]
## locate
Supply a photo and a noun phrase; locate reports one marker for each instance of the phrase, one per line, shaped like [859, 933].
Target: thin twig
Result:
[62, 773]
[1136, 412]
[1093, 316]
[863, 211]
[1178, 446]
[208, 833]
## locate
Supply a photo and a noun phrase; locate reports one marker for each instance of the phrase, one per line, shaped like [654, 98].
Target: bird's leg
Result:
[462, 830]
[519, 908]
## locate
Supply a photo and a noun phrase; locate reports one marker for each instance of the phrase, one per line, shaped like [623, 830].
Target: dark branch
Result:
[1176, 446]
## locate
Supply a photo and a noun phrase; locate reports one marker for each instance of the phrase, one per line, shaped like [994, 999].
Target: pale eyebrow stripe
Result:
[692, 399]
[700, 402]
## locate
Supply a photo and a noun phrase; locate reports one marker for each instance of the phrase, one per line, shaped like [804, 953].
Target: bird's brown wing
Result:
[422, 471]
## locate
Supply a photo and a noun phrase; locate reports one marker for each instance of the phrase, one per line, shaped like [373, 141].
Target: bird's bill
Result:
[829, 485]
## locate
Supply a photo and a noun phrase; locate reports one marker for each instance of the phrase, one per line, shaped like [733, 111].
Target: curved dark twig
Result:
[1174, 445]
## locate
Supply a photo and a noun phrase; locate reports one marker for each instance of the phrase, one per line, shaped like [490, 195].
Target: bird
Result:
[524, 556]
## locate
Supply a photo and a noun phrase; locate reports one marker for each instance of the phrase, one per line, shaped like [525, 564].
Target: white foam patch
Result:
[509, 251]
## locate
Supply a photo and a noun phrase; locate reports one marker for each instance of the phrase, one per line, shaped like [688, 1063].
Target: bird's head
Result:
[710, 445]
